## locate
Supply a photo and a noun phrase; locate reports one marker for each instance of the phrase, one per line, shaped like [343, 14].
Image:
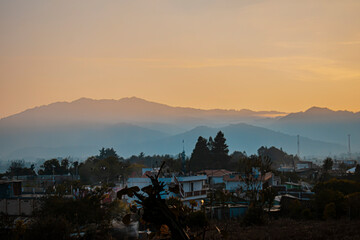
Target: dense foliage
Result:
[212, 154]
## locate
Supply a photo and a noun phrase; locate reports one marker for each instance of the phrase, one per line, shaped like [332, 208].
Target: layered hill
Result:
[245, 137]
[132, 110]
[322, 124]
[133, 125]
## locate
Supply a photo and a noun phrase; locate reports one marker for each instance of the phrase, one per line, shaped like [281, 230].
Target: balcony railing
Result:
[195, 193]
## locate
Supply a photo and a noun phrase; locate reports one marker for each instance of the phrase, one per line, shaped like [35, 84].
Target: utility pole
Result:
[183, 156]
[349, 149]
[298, 146]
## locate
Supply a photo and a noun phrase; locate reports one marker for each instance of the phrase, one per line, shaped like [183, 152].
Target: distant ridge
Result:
[322, 114]
[133, 125]
[322, 124]
[127, 109]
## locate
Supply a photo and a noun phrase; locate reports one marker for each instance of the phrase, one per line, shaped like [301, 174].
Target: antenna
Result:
[183, 156]
[298, 146]
[349, 149]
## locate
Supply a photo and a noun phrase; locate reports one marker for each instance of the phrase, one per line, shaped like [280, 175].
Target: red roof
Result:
[215, 172]
[267, 176]
[233, 178]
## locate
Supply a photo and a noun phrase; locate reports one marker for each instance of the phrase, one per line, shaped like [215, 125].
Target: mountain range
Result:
[133, 125]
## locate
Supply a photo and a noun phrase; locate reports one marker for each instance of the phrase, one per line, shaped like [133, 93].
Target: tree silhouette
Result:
[154, 209]
[200, 155]
[327, 165]
[107, 152]
[220, 151]
[50, 167]
[17, 168]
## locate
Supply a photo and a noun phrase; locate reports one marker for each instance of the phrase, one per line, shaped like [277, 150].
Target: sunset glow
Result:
[259, 55]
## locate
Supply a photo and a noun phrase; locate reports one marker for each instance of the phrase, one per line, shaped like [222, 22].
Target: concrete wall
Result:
[16, 207]
[198, 186]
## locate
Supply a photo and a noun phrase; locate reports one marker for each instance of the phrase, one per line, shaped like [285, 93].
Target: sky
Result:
[235, 54]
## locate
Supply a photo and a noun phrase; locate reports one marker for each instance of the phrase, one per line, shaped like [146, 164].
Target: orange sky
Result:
[262, 55]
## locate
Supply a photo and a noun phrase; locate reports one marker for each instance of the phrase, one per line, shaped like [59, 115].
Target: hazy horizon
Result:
[281, 113]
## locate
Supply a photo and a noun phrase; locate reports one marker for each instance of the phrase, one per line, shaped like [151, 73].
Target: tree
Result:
[50, 167]
[341, 185]
[155, 211]
[277, 156]
[200, 155]
[326, 196]
[236, 158]
[353, 205]
[107, 170]
[327, 164]
[64, 166]
[326, 168]
[342, 168]
[220, 151]
[59, 216]
[17, 168]
[108, 152]
[357, 170]
[74, 169]
[254, 169]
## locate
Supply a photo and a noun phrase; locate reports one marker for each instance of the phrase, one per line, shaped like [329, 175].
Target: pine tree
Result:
[200, 155]
[220, 151]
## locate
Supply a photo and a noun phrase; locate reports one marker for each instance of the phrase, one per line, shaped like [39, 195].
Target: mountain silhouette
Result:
[134, 125]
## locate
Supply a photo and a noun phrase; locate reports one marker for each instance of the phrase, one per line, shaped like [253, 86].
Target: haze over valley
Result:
[133, 125]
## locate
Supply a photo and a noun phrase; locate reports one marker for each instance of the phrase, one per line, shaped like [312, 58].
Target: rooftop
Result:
[215, 172]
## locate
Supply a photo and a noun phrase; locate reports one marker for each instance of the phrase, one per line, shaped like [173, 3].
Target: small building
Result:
[39, 183]
[236, 182]
[191, 187]
[302, 165]
[234, 211]
[286, 169]
[215, 176]
[10, 188]
[13, 202]
[345, 163]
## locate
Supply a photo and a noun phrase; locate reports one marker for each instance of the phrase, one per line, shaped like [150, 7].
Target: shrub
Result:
[327, 196]
[197, 220]
[254, 216]
[49, 228]
[330, 211]
[306, 214]
[295, 209]
[352, 202]
[340, 185]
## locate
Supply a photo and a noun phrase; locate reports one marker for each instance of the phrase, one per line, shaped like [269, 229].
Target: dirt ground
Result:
[286, 229]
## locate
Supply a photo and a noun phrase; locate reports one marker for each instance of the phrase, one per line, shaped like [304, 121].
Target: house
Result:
[194, 187]
[269, 179]
[285, 168]
[301, 165]
[39, 183]
[237, 182]
[215, 176]
[191, 187]
[10, 188]
[345, 163]
[13, 202]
